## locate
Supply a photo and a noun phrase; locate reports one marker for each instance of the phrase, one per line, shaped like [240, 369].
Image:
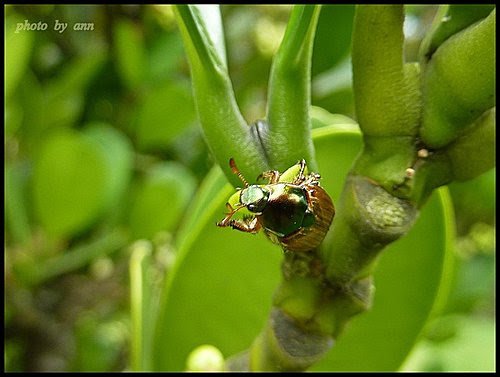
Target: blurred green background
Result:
[103, 148]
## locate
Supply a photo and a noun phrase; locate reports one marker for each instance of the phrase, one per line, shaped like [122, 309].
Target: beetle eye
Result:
[254, 198]
[257, 206]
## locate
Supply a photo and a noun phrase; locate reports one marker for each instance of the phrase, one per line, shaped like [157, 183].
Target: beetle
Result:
[292, 209]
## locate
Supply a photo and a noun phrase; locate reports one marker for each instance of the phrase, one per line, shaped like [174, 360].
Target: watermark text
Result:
[58, 26]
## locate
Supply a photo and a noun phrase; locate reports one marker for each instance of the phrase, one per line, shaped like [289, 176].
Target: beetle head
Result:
[254, 197]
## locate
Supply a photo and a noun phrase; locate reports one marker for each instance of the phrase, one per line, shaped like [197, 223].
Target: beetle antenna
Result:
[236, 171]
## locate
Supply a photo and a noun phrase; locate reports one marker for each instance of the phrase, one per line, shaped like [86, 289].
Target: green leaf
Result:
[33, 271]
[16, 215]
[332, 89]
[75, 76]
[69, 182]
[471, 349]
[66, 92]
[160, 199]
[165, 56]
[13, 117]
[78, 176]
[321, 118]
[474, 200]
[407, 280]
[206, 302]
[211, 187]
[332, 42]
[119, 159]
[31, 101]
[220, 289]
[167, 110]
[97, 343]
[18, 47]
[130, 53]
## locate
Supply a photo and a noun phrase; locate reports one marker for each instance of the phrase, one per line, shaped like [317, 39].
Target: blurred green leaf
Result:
[13, 116]
[211, 187]
[230, 277]
[31, 100]
[321, 118]
[166, 112]
[130, 53]
[76, 76]
[18, 47]
[165, 56]
[190, 149]
[96, 353]
[119, 158]
[69, 108]
[160, 199]
[69, 182]
[16, 212]
[101, 159]
[66, 92]
[471, 349]
[337, 79]
[32, 271]
[332, 42]
[474, 200]
[474, 283]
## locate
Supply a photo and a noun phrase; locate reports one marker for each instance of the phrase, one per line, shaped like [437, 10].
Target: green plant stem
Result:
[73, 259]
[449, 20]
[289, 136]
[140, 306]
[473, 152]
[379, 76]
[227, 133]
[459, 83]
[387, 96]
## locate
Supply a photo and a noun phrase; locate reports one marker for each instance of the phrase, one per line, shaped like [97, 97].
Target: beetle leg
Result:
[247, 226]
[312, 179]
[300, 176]
[302, 167]
[226, 221]
[272, 175]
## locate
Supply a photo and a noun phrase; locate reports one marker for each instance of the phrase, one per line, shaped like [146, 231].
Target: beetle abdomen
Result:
[285, 209]
[308, 238]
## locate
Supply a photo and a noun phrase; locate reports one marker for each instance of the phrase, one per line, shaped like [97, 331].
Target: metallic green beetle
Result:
[292, 208]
